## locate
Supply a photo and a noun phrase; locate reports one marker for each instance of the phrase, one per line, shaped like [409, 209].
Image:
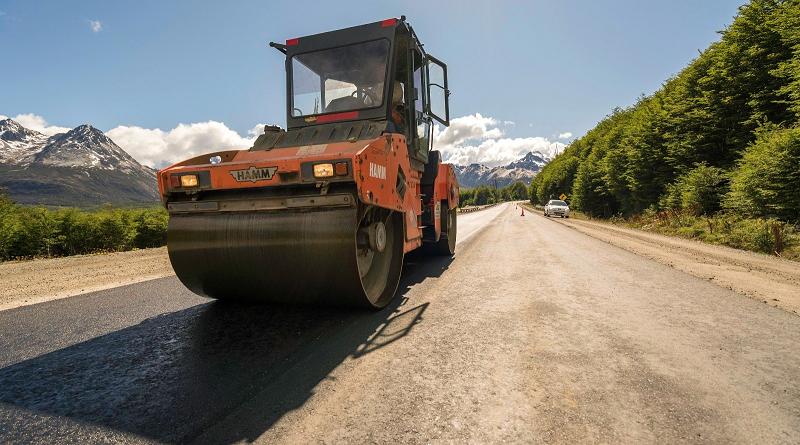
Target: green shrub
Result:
[751, 234]
[9, 226]
[699, 191]
[766, 182]
[38, 235]
[151, 228]
[79, 231]
[27, 232]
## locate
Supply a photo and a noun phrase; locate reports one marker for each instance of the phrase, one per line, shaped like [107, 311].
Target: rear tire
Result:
[446, 246]
[379, 271]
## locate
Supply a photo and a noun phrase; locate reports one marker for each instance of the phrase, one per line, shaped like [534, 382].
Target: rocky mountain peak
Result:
[18, 145]
[11, 126]
[80, 167]
[523, 169]
[532, 160]
[85, 147]
[11, 130]
[84, 134]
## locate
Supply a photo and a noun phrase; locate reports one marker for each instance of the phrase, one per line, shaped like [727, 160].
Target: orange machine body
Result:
[380, 169]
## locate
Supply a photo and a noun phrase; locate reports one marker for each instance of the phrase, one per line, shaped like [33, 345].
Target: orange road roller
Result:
[324, 211]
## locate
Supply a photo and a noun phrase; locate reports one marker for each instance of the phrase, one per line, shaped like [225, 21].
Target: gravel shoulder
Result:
[36, 281]
[771, 280]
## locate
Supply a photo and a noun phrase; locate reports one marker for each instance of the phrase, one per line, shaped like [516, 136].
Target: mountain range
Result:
[522, 170]
[82, 167]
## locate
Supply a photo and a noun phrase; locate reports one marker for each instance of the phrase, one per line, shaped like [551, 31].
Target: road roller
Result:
[323, 211]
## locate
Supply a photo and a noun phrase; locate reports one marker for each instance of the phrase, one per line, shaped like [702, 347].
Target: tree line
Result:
[722, 136]
[27, 232]
[484, 194]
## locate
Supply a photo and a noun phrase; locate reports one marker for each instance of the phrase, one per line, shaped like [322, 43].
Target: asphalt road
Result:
[534, 332]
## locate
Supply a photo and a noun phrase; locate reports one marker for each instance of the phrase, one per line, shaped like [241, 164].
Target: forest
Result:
[721, 136]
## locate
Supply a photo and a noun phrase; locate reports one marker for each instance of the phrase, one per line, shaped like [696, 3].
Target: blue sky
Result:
[550, 67]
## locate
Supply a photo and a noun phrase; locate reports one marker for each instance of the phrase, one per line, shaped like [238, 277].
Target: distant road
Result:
[534, 332]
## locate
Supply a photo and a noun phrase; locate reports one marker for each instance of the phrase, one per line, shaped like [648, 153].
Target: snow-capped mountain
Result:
[523, 170]
[86, 147]
[18, 145]
[82, 167]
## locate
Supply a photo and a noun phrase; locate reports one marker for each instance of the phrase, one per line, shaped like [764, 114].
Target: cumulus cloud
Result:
[158, 148]
[469, 139]
[481, 139]
[565, 135]
[37, 123]
[95, 25]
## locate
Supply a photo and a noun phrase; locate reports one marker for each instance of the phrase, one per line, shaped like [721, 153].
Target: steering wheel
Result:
[373, 97]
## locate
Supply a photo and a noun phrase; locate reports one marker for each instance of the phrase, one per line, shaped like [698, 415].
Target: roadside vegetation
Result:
[714, 154]
[768, 236]
[484, 194]
[28, 232]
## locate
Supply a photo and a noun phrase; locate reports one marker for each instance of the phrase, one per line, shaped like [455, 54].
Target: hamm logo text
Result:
[254, 174]
[377, 170]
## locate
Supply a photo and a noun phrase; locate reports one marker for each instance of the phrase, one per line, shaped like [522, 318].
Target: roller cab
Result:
[323, 211]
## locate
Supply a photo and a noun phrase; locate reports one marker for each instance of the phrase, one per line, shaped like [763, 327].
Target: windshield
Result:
[339, 79]
[557, 203]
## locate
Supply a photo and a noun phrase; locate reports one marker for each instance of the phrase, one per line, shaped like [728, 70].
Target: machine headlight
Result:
[323, 170]
[189, 181]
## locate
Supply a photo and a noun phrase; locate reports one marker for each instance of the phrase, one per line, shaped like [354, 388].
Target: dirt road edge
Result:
[771, 280]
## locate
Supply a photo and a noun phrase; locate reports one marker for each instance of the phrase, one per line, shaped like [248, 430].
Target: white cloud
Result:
[95, 25]
[565, 135]
[467, 128]
[37, 123]
[479, 139]
[469, 139]
[256, 131]
[158, 148]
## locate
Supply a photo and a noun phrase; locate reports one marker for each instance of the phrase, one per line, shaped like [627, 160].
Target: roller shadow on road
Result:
[213, 373]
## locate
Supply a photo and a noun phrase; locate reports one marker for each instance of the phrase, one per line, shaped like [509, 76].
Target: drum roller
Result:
[334, 256]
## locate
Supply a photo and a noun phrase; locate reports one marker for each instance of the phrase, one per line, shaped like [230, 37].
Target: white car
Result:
[556, 207]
